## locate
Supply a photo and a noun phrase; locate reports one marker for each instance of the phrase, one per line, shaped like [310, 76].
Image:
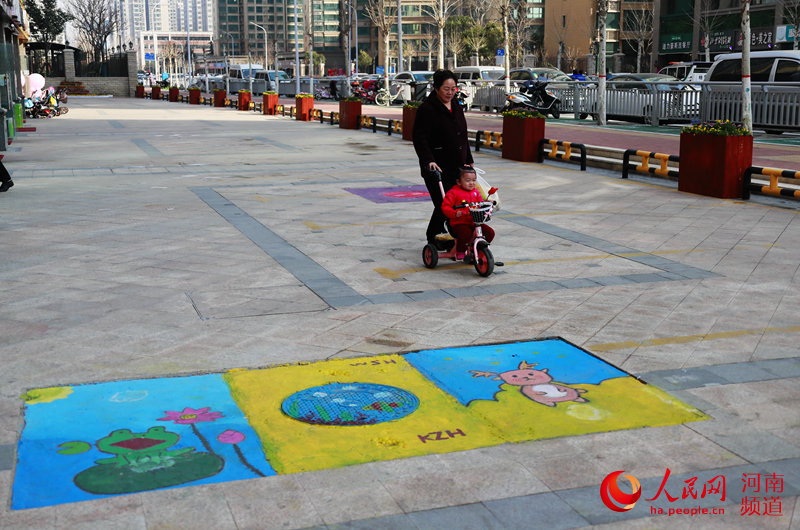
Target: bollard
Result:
[18, 115]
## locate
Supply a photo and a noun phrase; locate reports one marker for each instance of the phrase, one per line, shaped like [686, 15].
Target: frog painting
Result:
[143, 461]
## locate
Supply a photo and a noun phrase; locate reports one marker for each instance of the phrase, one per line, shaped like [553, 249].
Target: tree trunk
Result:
[506, 62]
[747, 110]
[386, 62]
[707, 50]
[601, 67]
[441, 48]
[639, 46]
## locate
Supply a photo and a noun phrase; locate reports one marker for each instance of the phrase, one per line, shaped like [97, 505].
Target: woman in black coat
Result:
[441, 143]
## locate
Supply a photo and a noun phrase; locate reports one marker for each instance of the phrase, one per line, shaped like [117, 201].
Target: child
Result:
[461, 223]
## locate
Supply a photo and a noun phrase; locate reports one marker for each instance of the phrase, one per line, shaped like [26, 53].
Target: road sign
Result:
[149, 56]
[500, 52]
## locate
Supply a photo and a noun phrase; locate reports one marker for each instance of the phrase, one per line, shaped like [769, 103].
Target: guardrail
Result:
[773, 188]
[566, 153]
[662, 170]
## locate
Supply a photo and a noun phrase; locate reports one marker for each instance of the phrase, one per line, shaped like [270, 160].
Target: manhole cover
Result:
[350, 404]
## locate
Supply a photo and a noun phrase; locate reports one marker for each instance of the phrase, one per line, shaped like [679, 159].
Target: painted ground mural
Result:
[95, 440]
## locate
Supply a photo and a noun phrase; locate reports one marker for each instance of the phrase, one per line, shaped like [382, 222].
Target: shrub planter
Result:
[139, 91]
[521, 138]
[409, 115]
[174, 93]
[714, 165]
[269, 104]
[244, 100]
[194, 96]
[304, 106]
[349, 111]
[219, 98]
[155, 92]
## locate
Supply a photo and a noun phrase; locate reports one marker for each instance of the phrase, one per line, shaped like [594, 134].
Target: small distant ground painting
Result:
[94, 440]
[415, 193]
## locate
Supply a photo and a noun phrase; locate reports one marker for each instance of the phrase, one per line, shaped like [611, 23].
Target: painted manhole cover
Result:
[350, 404]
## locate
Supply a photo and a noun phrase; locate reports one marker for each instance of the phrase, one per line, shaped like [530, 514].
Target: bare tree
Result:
[791, 14]
[519, 38]
[478, 10]
[558, 23]
[438, 10]
[602, 16]
[504, 9]
[706, 18]
[95, 21]
[171, 52]
[308, 34]
[476, 40]
[455, 44]
[428, 44]
[638, 26]
[571, 55]
[382, 14]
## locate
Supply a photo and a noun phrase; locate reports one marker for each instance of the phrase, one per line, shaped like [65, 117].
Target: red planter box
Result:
[304, 106]
[219, 98]
[139, 91]
[244, 100]
[714, 165]
[409, 115]
[194, 96]
[155, 92]
[173, 94]
[521, 138]
[269, 104]
[349, 111]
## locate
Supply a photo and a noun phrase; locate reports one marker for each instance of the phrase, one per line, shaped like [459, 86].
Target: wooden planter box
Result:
[521, 138]
[349, 112]
[173, 94]
[219, 98]
[244, 100]
[304, 106]
[194, 96]
[269, 104]
[155, 92]
[139, 91]
[714, 165]
[409, 115]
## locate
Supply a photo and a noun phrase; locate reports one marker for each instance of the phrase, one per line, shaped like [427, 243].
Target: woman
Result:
[441, 143]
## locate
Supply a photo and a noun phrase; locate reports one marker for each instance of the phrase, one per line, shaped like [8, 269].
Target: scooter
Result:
[533, 95]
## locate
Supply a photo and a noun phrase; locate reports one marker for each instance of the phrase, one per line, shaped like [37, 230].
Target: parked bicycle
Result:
[385, 98]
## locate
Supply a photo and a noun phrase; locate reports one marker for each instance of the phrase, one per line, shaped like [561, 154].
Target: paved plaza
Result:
[147, 240]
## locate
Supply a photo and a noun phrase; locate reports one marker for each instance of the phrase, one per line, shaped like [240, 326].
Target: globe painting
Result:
[350, 404]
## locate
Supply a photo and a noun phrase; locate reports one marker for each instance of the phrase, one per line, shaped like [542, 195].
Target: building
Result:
[691, 29]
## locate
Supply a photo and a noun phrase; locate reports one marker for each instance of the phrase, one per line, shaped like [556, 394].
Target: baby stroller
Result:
[478, 252]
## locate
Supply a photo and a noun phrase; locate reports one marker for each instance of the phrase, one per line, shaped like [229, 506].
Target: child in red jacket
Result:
[461, 225]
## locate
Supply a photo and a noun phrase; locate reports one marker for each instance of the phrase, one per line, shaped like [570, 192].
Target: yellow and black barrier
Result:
[773, 188]
[662, 170]
[490, 139]
[566, 153]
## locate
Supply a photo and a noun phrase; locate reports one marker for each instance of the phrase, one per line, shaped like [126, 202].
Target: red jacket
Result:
[456, 196]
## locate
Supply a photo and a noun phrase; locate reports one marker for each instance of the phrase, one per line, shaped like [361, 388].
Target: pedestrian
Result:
[441, 143]
[5, 178]
[464, 193]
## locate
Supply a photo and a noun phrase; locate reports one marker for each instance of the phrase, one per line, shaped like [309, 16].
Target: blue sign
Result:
[500, 52]
[149, 56]
[379, 70]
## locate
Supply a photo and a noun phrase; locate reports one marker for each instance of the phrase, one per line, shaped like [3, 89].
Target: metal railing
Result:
[775, 106]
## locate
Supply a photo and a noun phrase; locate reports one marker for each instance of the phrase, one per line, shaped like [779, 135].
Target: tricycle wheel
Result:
[484, 261]
[430, 256]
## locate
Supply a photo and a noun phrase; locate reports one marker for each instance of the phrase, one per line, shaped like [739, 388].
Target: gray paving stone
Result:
[544, 510]
[467, 517]
[683, 378]
[389, 522]
[6, 457]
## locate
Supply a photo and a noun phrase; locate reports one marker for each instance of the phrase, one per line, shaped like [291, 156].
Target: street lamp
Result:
[227, 64]
[266, 51]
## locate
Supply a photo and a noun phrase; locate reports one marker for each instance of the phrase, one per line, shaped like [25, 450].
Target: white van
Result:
[773, 66]
[687, 72]
[479, 73]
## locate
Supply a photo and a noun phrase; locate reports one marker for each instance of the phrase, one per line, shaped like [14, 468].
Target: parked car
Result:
[632, 97]
[413, 76]
[555, 78]
[693, 72]
[478, 73]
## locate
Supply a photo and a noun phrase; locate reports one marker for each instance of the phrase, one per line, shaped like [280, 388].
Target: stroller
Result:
[478, 252]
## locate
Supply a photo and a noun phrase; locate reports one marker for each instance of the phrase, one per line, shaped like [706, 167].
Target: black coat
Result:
[440, 135]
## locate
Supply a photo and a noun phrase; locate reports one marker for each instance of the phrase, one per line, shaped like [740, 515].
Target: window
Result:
[563, 21]
[787, 71]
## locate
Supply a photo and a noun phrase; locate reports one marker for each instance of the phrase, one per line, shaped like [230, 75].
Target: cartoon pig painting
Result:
[536, 385]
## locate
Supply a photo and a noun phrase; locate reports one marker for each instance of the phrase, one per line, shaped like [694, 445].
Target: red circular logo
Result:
[610, 490]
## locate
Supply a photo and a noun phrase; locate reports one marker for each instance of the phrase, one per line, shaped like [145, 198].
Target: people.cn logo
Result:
[615, 498]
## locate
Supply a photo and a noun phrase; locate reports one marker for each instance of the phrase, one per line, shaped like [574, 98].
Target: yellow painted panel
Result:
[618, 403]
[439, 425]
